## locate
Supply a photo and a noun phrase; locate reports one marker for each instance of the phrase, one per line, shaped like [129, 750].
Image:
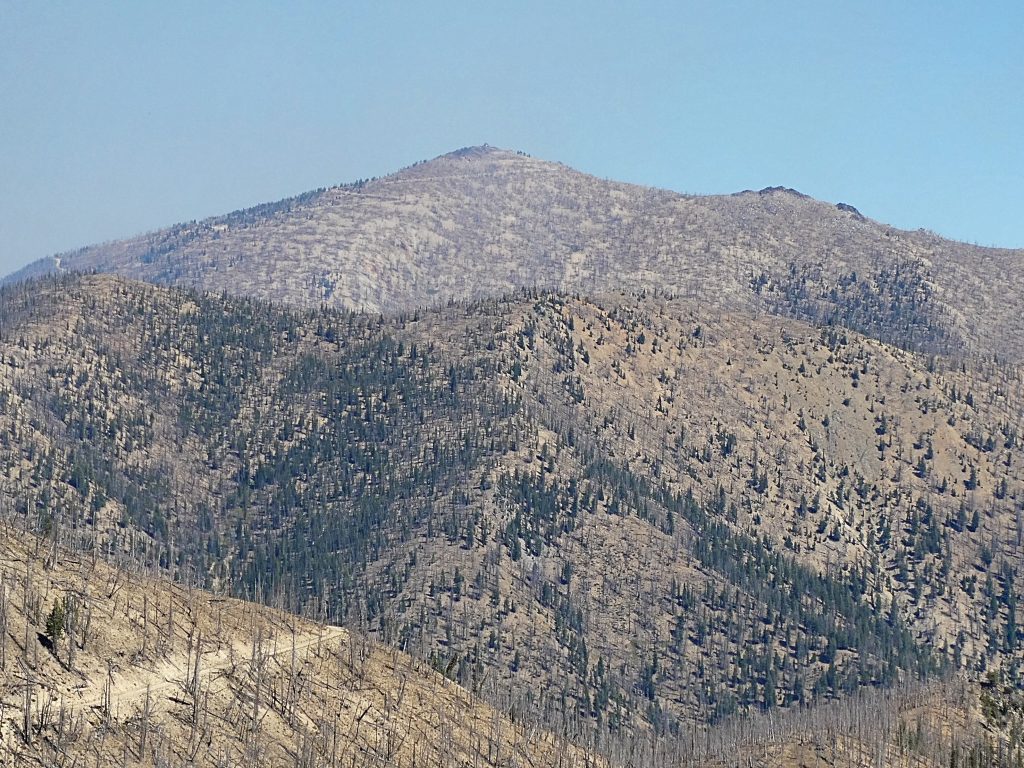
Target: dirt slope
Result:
[149, 673]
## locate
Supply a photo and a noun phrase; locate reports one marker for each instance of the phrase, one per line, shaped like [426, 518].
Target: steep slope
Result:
[100, 666]
[481, 222]
[622, 514]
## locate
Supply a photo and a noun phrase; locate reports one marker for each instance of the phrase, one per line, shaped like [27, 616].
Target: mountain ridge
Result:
[674, 479]
[480, 222]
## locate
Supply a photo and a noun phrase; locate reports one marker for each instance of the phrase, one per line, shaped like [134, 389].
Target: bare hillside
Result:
[100, 667]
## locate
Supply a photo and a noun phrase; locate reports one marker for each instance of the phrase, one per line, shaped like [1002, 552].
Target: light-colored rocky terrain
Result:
[144, 672]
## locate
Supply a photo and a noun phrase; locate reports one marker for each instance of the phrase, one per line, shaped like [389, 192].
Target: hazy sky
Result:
[116, 118]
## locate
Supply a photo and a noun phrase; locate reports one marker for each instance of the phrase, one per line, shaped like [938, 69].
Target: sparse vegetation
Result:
[482, 222]
[652, 556]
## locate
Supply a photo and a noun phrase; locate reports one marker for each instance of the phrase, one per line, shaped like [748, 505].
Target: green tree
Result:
[56, 621]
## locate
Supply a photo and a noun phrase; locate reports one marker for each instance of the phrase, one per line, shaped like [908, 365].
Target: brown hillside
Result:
[623, 515]
[147, 673]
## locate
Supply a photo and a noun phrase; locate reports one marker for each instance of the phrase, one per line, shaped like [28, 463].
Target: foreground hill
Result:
[481, 222]
[100, 666]
[623, 515]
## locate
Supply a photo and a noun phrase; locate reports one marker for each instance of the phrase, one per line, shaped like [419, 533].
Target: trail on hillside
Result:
[170, 675]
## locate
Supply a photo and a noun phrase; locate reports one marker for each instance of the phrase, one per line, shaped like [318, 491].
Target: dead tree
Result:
[4, 603]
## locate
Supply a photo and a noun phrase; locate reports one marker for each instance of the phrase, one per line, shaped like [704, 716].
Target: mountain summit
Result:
[483, 221]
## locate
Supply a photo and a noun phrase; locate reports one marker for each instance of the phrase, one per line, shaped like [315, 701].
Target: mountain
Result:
[628, 515]
[481, 222]
[649, 479]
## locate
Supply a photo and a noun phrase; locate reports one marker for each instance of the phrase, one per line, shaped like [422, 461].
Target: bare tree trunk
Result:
[145, 622]
[26, 714]
[108, 685]
[71, 608]
[85, 625]
[4, 600]
[147, 712]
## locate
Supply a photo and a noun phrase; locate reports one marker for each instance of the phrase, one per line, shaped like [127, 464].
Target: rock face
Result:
[850, 209]
[482, 221]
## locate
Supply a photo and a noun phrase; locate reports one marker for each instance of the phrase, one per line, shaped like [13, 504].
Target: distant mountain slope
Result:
[482, 221]
[623, 514]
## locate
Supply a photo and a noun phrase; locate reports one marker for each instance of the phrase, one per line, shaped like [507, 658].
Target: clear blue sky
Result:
[116, 118]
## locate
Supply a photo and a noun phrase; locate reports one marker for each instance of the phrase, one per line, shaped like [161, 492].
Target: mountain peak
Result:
[482, 221]
[772, 191]
[476, 158]
[469, 153]
[783, 191]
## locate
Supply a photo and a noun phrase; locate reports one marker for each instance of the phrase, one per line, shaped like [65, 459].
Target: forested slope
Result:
[624, 515]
